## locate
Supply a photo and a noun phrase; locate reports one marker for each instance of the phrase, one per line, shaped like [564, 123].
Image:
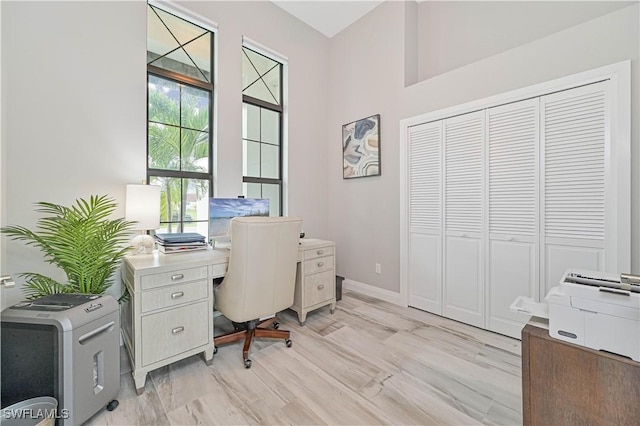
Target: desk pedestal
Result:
[315, 277]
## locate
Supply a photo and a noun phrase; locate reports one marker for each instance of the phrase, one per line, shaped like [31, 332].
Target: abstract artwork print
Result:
[361, 148]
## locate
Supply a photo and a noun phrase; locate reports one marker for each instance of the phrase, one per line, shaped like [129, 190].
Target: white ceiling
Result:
[327, 16]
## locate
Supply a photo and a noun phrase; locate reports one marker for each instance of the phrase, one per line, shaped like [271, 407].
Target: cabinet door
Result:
[513, 140]
[464, 177]
[425, 217]
[574, 133]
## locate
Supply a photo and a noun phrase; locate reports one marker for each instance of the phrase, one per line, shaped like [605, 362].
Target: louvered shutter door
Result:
[425, 217]
[513, 138]
[463, 246]
[424, 176]
[574, 130]
[574, 134]
[463, 164]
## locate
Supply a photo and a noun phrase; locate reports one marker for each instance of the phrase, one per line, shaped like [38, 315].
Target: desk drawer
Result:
[319, 288]
[177, 276]
[318, 252]
[319, 264]
[171, 332]
[218, 270]
[174, 295]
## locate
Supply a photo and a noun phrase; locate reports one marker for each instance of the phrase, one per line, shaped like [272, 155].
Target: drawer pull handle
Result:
[177, 330]
[320, 264]
[177, 277]
[177, 294]
[321, 286]
[320, 251]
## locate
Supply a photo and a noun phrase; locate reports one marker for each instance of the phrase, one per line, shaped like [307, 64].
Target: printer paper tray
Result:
[528, 306]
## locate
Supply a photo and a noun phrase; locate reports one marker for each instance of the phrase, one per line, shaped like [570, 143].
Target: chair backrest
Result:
[260, 280]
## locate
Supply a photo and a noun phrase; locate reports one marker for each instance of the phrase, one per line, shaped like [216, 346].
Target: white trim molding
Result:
[264, 50]
[174, 8]
[373, 291]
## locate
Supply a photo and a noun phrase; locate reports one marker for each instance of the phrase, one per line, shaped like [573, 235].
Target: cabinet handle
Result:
[177, 294]
[320, 264]
[321, 286]
[177, 330]
[320, 251]
[177, 277]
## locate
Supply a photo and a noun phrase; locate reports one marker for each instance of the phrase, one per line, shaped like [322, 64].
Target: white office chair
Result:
[261, 278]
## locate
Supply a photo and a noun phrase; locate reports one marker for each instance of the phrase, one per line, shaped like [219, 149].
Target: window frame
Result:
[182, 79]
[279, 108]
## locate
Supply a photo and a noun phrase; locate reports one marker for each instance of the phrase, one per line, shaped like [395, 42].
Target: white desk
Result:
[169, 315]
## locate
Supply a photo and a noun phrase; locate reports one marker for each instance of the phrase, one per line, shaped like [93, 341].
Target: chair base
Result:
[254, 330]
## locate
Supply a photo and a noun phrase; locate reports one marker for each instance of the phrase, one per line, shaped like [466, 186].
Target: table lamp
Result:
[143, 207]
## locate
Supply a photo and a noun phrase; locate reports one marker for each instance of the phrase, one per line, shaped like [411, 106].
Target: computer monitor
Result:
[222, 210]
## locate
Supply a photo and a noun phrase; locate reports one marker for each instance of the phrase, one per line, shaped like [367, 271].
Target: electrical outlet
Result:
[378, 268]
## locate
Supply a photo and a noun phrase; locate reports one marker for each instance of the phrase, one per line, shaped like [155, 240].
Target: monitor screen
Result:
[222, 210]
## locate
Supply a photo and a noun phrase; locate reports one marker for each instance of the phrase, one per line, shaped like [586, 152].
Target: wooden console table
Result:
[567, 384]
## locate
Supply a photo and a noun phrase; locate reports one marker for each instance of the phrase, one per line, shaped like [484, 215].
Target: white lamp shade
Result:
[143, 206]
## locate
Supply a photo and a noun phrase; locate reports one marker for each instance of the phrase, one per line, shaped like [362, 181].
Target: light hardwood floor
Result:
[370, 363]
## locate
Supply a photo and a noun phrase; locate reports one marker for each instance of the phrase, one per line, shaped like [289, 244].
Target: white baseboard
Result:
[372, 291]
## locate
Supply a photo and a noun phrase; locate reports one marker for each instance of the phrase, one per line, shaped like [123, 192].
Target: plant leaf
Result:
[81, 240]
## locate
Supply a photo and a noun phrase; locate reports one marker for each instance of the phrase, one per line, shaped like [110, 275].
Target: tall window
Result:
[262, 128]
[179, 114]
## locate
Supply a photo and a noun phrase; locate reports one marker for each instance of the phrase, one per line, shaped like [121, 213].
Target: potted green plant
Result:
[81, 240]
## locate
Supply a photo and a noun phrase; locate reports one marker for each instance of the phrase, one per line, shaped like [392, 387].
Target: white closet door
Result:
[513, 138]
[463, 163]
[574, 139]
[425, 217]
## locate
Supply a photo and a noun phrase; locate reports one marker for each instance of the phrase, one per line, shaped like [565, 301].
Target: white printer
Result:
[594, 309]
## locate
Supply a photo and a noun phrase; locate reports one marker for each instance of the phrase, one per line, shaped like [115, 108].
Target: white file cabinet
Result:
[169, 315]
[315, 277]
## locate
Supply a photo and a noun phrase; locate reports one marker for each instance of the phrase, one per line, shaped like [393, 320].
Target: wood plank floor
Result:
[369, 363]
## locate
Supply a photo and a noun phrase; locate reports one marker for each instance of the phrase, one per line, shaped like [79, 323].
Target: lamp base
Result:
[142, 244]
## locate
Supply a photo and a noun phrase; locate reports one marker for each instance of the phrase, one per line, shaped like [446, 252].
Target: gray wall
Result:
[73, 110]
[364, 219]
[74, 115]
[307, 51]
[457, 33]
[73, 86]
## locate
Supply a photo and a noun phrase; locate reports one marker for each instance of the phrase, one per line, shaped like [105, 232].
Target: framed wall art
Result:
[361, 148]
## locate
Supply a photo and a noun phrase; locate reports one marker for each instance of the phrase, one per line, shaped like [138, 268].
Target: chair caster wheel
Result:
[276, 325]
[288, 342]
[215, 350]
[247, 363]
[112, 405]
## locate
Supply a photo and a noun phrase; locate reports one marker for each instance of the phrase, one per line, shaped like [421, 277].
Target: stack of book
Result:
[181, 242]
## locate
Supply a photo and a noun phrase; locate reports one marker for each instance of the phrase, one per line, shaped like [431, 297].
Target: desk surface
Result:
[161, 261]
